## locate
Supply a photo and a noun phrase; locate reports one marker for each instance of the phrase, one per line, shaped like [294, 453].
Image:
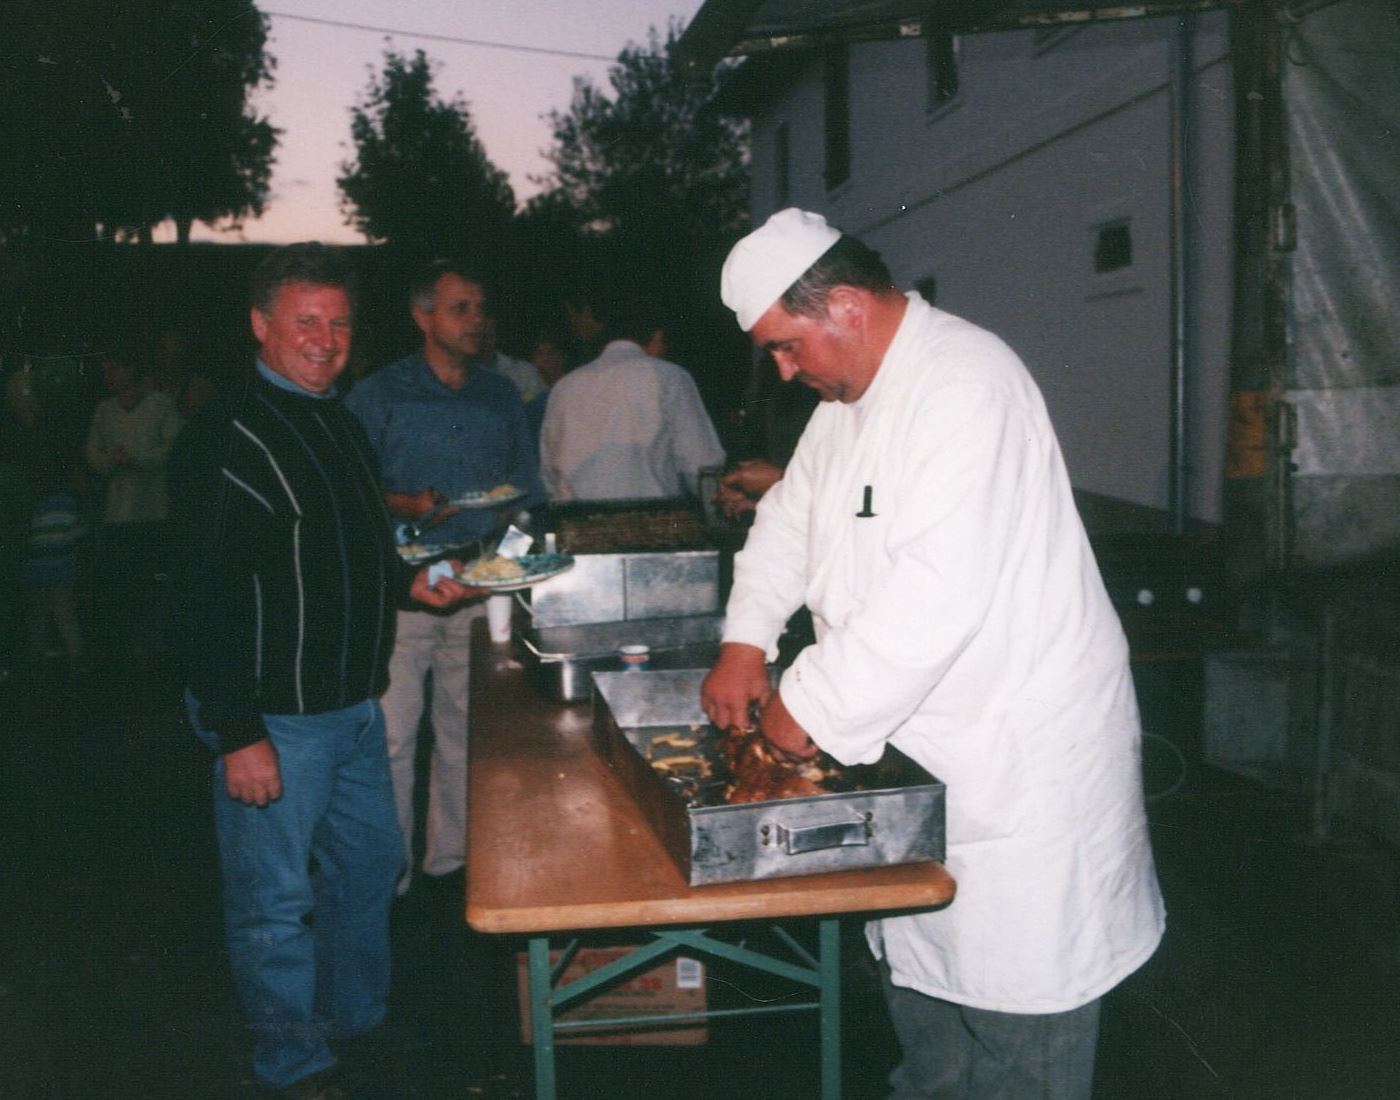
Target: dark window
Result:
[1113, 250]
[837, 73]
[782, 165]
[942, 58]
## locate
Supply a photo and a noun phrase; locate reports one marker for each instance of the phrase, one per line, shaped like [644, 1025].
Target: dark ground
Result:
[1277, 979]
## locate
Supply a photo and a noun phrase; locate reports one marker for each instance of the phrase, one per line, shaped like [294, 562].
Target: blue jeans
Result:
[308, 881]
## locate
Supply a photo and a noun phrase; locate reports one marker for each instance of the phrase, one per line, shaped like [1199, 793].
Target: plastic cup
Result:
[498, 613]
[635, 658]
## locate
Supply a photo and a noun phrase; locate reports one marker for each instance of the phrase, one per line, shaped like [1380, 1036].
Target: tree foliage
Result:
[653, 159]
[420, 178]
[118, 116]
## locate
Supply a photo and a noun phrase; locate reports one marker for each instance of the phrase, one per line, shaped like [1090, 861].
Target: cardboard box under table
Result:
[558, 846]
[675, 988]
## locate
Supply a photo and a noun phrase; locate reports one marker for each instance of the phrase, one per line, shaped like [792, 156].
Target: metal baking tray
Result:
[879, 814]
[633, 559]
[561, 659]
[605, 588]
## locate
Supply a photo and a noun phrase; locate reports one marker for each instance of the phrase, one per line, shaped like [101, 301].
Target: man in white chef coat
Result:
[927, 522]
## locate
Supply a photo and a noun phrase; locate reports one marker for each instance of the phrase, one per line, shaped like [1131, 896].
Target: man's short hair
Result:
[630, 314]
[846, 263]
[422, 287]
[306, 262]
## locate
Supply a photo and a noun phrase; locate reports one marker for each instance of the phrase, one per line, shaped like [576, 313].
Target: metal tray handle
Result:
[853, 833]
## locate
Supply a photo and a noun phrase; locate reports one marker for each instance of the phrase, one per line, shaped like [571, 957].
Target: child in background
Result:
[50, 574]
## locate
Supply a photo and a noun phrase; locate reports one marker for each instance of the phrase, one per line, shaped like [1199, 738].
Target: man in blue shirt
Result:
[443, 427]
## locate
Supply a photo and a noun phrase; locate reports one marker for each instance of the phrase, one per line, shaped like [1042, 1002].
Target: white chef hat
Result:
[762, 266]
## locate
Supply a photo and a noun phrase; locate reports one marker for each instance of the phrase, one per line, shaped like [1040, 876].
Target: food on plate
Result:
[501, 491]
[493, 569]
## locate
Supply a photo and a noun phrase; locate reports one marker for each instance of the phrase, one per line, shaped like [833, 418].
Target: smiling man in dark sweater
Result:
[287, 583]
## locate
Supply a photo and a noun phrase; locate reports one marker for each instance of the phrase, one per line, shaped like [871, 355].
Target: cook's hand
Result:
[252, 774]
[783, 732]
[445, 592]
[738, 680]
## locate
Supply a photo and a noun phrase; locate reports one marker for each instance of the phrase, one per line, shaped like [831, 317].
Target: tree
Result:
[420, 178]
[656, 181]
[119, 116]
[653, 162]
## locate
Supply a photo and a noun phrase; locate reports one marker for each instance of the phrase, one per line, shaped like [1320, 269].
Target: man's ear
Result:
[846, 306]
[420, 318]
[259, 322]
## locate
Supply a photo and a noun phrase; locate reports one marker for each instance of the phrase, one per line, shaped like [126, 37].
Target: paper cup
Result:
[635, 658]
[498, 612]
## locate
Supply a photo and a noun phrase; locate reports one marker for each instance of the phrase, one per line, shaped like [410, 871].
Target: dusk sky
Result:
[323, 70]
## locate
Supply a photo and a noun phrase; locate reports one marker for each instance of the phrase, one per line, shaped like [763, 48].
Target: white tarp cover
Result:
[1342, 94]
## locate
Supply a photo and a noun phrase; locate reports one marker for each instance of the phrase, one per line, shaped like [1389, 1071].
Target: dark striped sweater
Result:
[286, 579]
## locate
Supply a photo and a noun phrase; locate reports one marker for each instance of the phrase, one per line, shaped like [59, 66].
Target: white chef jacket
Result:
[965, 622]
[625, 426]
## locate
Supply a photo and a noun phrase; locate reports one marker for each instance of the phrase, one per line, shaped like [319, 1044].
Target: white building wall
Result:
[1000, 195]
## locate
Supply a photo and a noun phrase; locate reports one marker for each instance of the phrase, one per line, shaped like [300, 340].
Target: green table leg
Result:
[829, 934]
[542, 1017]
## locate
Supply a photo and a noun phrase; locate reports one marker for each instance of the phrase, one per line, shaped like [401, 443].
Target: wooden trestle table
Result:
[557, 845]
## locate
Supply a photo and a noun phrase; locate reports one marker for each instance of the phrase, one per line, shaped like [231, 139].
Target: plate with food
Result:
[508, 574]
[491, 498]
[415, 553]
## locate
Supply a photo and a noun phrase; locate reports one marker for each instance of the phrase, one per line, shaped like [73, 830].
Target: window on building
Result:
[942, 65]
[1113, 248]
[837, 82]
[782, 166]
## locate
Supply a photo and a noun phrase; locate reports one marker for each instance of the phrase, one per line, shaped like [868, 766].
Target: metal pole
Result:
[829, 954]
[1179, 75]
[542, 1017]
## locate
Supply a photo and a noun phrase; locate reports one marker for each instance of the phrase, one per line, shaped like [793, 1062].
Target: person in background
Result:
[628, 425]
[175, 374]
[926, 520]
[741, 488]
[522, 375]
[128, 445]
[51, 568]
[442, 426]
[286, 580]
[548, 355]
[583, 320]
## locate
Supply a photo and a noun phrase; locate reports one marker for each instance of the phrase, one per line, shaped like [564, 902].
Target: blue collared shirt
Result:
[428, 436]
[281, 381]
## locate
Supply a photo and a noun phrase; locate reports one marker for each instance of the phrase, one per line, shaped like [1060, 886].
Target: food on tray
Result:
[493, 569]
[613, 532]
[501, 491]
[674, 741]
[759, 775]
[685, 767]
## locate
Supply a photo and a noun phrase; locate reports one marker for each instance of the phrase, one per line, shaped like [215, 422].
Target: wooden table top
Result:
[555, 842]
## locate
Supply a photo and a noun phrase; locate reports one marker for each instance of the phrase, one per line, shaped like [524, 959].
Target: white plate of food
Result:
[417, 552]
[491, 498]
[508, 574]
